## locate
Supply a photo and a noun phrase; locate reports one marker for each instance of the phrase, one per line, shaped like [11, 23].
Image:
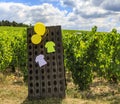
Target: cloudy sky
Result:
[70, 14]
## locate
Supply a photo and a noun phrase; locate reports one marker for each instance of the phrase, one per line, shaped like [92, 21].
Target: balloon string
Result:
[46, 32]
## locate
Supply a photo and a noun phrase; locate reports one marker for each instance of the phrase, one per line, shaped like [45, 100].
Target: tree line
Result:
[13, 23]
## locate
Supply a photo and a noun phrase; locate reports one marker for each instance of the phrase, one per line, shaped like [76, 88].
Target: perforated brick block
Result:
[48, 80]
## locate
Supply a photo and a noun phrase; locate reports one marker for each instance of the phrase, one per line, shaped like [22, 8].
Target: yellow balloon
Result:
[36, 39]
[40, 28]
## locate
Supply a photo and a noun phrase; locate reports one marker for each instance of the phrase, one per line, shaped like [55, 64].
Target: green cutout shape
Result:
[50, 46]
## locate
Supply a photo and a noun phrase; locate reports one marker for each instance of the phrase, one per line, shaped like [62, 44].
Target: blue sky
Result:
[31, 2]
[70, 14]
[55, 3]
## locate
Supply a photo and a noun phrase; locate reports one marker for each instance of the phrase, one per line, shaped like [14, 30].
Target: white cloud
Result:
[102, 13]
[83, 15]
[68, 3]
[113, 6]
[31, 14]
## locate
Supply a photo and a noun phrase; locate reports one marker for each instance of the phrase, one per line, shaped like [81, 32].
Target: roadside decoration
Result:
[46, 73]
[40, 60]
[50, 46]
[40, 30]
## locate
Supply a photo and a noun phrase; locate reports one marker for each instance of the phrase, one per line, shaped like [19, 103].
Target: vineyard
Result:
[85, 53]
[92, 52]
[13, 48]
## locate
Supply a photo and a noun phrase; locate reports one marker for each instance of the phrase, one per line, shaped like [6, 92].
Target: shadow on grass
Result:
[43, 101]
[115, 100]
[111, 97]
[103, 91]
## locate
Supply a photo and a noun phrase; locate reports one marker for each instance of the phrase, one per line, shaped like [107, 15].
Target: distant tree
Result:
[13, 23]
[0, 23]
[114, 30]
[94, 29]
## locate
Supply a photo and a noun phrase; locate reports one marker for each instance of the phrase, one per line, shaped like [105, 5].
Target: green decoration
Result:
[50, 46]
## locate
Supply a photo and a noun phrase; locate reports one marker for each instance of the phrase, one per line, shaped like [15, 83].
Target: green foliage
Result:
[88, 52]
[79, 57]
[85, 52]
[109, 56]
[12, 47]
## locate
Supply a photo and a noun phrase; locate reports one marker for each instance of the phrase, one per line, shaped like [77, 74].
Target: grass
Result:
[14, 91]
